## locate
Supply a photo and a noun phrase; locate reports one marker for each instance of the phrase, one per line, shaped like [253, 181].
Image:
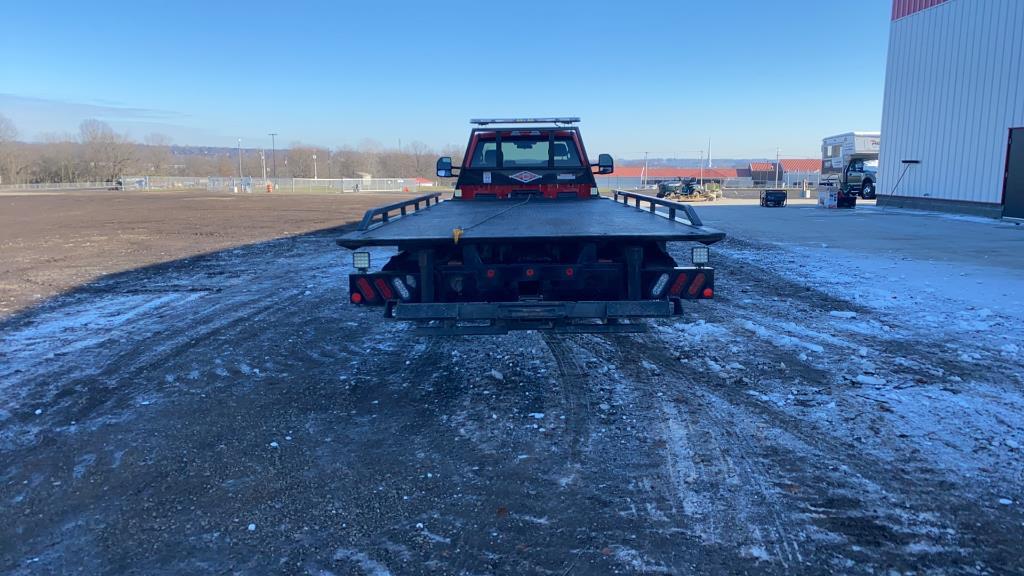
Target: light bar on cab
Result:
[556, 120]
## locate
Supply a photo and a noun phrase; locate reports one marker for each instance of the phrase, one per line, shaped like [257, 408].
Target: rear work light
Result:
[700, 255]
[659, 286]
[361, 261]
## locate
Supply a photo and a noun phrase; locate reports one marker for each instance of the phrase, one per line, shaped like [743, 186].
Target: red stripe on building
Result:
[904, 8]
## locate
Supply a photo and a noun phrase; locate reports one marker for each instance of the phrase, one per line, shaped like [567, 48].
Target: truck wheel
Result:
[867, 190]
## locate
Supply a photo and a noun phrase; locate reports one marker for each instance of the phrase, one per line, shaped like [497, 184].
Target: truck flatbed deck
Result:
[531, 220]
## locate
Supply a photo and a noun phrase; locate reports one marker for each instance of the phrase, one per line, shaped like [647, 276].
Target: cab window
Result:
[485, 155]
[517, 152]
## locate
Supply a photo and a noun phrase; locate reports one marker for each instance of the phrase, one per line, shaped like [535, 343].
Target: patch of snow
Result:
[848, 314]
[869, 380]
[368, 565]
[780, 339]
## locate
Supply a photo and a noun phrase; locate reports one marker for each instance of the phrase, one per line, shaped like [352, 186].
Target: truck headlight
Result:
[361, 260]
[700, 255]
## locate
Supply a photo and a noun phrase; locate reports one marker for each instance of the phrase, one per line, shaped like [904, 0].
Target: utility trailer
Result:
[526, 242]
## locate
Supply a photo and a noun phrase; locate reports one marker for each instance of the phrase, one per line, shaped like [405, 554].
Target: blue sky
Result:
[661, 77]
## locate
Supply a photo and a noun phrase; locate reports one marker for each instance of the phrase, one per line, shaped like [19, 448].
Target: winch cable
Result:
[458, 232]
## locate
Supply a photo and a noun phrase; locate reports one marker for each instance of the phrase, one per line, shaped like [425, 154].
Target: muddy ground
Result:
[54, 241]
[230, 413]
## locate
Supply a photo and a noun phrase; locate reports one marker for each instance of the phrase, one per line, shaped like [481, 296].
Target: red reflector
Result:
[708, 293]
[384, 289]
[357, 297]
[366, 289]
[698, 283]
[569, 272]
[529, 272]
[491, 273]
[678, 285]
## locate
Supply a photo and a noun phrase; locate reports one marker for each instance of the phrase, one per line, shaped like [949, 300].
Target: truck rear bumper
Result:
[469, 318]
[476, 311]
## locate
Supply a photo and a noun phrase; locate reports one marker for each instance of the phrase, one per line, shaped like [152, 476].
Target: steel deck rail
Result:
[653, 202]
[370, 218]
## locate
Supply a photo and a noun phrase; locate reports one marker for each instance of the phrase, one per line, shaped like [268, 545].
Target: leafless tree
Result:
[9, 166]
[158, 153]
[107, 153]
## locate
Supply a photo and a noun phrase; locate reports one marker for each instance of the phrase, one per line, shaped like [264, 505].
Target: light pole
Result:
[776, 167]
[263, 160]
[273, 152]
[315, 177]
[701, 162]
[239, 159]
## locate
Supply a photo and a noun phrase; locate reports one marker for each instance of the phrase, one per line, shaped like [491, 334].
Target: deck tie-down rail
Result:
[653, 203]
[385, 212]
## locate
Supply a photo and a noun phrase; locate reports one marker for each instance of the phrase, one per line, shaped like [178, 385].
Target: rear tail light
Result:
[698, 283]
[384, 289]
[659, 286]
[678, 285]
[367, 291]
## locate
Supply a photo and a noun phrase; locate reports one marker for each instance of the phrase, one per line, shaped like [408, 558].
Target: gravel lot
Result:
[231, 413]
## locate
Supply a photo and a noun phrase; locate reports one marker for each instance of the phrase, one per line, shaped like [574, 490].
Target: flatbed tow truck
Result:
[527, 243]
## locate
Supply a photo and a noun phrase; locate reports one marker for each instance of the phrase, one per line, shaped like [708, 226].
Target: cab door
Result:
[854, 174]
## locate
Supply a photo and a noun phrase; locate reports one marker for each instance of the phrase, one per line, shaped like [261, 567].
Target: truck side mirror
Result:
[605, 164]
[444, 167]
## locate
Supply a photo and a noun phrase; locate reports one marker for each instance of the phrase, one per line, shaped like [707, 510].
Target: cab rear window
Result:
[526, 152]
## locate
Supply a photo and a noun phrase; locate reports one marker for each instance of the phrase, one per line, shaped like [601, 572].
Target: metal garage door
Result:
[1013, 193]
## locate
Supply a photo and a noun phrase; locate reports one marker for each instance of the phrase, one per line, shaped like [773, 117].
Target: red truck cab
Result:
[548, 162]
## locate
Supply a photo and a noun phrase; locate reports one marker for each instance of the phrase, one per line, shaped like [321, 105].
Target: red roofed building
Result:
[798, 171]
[666, 173]
[763, 173]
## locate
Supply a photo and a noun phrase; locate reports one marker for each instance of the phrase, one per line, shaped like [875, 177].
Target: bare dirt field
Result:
[53, 241]
[831, 411]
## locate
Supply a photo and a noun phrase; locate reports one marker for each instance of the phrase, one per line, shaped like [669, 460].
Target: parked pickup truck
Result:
[526, 242]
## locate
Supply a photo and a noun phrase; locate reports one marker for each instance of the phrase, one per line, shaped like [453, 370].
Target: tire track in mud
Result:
[574, 391]
[717, 481]
[141, 349]
[884, 507]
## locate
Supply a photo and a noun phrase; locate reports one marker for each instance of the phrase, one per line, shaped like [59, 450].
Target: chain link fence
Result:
[234, 184]
[311, 185]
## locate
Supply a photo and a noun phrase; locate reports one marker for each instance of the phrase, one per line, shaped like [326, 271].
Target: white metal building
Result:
[954, 92]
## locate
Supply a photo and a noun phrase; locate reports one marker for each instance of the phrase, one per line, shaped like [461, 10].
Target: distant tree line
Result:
[98, 153]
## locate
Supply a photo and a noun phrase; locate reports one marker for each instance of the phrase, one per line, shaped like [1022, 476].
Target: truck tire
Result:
[867, 190]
